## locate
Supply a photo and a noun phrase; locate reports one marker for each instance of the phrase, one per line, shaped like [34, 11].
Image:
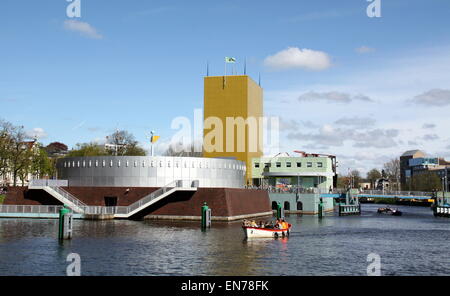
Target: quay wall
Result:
[224, 202]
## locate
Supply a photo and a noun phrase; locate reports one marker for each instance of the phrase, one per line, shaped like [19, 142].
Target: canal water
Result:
[413, 244]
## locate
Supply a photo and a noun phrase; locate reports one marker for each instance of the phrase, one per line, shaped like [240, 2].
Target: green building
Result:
[285, 171]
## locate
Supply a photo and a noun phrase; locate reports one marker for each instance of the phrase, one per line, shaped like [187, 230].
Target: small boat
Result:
[389, 211]
[251, 232]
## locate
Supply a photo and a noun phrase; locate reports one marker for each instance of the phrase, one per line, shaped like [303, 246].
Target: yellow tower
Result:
[233, 112]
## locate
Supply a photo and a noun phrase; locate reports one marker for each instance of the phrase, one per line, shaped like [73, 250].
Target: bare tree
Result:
[392, 171]
[124, 143]
[180, 150]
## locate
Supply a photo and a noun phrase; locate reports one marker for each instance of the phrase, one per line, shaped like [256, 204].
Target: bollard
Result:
[206, 216]
[280, 211]
[65, 223]
[320, 210]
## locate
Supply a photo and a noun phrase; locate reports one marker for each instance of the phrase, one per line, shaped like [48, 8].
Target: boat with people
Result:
[389, 211]
[271, 229]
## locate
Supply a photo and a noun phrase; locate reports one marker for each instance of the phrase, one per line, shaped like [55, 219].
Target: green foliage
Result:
[93, 149]
[88, 149]
[2, 198]
[427, 181]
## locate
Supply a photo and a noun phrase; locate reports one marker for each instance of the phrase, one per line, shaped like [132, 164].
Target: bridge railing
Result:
[398, 193]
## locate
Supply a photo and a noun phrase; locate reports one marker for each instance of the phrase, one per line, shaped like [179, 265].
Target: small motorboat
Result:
[389, 211]
[252, 232]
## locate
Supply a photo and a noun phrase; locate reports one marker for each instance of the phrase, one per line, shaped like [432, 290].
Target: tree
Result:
[120, 143]
[20, 154]
[427, 181]
[372, 176]
[392, 171]
[356, 176]
[41, 165]
[87, 149]
[123, 143]
[179, 150]
[6, 145]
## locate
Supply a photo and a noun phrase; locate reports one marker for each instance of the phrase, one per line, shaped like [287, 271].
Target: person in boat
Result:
[254, 224]
[277, 224]
[261, 224]
[284, 224]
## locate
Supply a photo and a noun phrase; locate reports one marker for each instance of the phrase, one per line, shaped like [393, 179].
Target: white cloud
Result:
[83, 28]
[294, 57]
[331, 136]
[36, 133]
[428, 125]
[359, 122]
[332, 96]
[434, 97]
[364, 49]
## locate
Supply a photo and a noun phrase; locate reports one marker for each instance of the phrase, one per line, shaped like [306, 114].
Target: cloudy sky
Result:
[365, 89]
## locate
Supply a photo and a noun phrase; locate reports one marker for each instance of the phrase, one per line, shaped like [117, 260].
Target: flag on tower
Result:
[154, 139]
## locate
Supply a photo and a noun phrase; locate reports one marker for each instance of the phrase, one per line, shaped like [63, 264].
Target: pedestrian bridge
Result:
[54, 188]
[383, 194]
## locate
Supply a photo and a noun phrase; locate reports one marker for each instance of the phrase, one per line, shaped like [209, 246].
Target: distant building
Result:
[288, 171]
[415, 162]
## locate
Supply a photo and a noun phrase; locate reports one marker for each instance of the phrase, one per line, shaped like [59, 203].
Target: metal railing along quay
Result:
[30, 209]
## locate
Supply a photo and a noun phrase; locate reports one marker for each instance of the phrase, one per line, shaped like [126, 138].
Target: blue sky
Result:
[367, 89]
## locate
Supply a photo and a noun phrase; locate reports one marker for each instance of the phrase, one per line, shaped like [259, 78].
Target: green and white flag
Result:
[230, 60]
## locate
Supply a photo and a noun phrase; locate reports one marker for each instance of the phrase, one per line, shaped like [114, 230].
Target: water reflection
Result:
[331, 246]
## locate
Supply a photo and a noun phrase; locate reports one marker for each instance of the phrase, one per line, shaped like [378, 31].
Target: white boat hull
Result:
[254, 232]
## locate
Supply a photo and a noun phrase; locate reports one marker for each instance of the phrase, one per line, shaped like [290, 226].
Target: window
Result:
[103, 163]
[111, 163]
[126, 163]
[256, 164]
[309, 164]
[278, 164]
[135, 163]
[96, 163]
[299, 164]
[143, 163]
[118, 163]
[288, 164]
[319, 164]
[84, 163]
[267, 165]
[90, 163]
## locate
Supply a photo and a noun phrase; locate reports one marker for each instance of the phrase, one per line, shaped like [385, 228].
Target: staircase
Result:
[53, 187]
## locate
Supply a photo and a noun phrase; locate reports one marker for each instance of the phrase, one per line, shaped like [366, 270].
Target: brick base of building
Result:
[227, 204]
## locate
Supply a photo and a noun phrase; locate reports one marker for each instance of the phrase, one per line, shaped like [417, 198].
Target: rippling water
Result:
[413, 244]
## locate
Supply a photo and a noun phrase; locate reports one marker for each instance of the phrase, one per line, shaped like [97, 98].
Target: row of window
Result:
[136, 163]
[289, 164]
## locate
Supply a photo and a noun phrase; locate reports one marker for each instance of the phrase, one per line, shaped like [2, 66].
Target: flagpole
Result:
[225, 76]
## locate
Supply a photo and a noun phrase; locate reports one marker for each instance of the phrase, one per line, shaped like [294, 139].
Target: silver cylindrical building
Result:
[146, 171]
